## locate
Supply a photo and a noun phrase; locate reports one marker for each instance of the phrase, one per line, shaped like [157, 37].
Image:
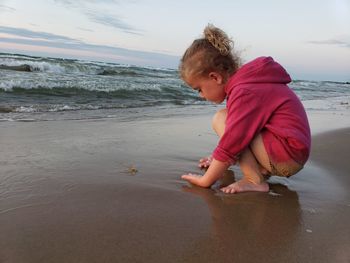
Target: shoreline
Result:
[107, 191]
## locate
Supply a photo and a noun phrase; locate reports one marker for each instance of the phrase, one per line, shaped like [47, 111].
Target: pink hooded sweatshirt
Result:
[259, 101]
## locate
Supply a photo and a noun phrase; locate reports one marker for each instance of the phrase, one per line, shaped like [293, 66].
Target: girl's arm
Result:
[214, 172]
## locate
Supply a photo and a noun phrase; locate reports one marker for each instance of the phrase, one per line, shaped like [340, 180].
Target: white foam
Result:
[41, 66]
[26, 109]
[8, 85]
[330, 103]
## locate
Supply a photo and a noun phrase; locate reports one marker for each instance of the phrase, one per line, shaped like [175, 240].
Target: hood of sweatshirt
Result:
[260, 70]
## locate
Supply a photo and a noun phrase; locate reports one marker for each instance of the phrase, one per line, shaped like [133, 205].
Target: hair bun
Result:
[218, 39]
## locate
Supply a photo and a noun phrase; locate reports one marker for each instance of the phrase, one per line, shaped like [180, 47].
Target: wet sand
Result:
[107, 191]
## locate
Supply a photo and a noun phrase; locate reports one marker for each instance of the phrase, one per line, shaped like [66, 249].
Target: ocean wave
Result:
[308, 90]
[314, 82]
[21, 63]
[130, 73]
[54, 108]
[30, 66]
[69, 88]
[64, 107]
[332, 103]
[68, 68]
[47, 108]
[118, 72]
[26, 96]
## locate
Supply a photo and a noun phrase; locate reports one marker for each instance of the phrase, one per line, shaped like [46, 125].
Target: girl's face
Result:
[210, 88]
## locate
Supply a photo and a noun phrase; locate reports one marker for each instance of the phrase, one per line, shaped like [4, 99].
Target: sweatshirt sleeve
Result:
[246, 117]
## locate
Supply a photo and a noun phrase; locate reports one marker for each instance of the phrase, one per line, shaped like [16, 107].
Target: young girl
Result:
[264, 127]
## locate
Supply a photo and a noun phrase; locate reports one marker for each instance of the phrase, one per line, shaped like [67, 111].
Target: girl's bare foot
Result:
[244, 185]
[205, 162]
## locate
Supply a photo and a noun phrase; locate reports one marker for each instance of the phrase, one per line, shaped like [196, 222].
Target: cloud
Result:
[99, 16]
[7, 8]
[85, 29]
[43, 39]
[336, 42]
[21, 32]
[78, 2]
[111, 21]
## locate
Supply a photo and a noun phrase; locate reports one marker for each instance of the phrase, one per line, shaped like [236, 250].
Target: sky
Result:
[311, 39]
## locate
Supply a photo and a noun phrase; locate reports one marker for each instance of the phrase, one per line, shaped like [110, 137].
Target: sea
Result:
[51, 89]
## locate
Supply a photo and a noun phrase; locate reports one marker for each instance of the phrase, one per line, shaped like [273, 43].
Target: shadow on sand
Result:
[249, 227]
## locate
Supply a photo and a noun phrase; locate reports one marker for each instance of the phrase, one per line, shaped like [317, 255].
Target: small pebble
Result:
[274, 194]
[309, 230]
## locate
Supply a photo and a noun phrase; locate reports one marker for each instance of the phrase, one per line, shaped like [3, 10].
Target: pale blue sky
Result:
[310, 38]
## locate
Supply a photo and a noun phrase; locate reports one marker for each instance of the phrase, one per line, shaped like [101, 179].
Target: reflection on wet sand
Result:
[250, 227]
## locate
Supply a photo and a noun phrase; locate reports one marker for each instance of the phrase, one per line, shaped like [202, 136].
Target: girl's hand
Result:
[205, 162]
[195, 179]
[214, 172]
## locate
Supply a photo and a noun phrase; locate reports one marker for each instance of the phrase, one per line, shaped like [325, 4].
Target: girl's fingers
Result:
[190, 177]
[205, 162]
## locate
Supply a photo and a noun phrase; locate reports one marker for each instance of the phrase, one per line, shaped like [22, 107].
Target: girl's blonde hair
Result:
[213, 52]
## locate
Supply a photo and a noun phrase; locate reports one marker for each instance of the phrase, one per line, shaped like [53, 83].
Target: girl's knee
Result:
[218, 121]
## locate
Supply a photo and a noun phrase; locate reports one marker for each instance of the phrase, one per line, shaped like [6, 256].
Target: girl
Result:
[264, 127]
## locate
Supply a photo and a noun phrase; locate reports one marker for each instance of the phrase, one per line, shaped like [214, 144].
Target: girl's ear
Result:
[216, 77]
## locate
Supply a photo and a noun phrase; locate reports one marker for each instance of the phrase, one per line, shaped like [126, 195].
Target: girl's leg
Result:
[254, 161]
[253, 170]
[218, 124]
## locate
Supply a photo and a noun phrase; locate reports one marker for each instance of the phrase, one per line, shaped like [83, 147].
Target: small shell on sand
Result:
[132, 170]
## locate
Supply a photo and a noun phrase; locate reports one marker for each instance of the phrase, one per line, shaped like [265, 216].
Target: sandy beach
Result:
[110, 191]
